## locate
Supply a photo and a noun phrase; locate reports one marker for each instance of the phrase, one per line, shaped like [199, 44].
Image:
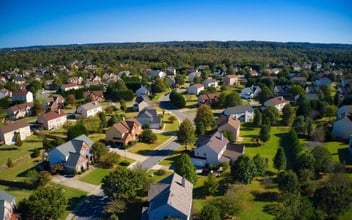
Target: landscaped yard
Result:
[14, 152]
[95, 176]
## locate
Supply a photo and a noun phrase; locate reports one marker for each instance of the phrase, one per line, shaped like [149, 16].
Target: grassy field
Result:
[19, 171]
[14, 152]
[145, 149]
[95, 176]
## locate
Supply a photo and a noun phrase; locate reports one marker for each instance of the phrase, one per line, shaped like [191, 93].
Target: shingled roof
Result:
[14, 126]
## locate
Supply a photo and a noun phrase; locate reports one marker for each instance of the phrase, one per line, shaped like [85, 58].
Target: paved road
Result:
[165, 104]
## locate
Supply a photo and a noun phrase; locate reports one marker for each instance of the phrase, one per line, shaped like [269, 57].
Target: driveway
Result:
[75, 183]
[165, 104]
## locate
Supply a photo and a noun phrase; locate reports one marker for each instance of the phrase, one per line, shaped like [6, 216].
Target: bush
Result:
[160, 172]
[124, 163]
[9, 163]
[35, 153]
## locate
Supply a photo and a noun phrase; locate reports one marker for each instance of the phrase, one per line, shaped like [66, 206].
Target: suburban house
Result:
[296, 67]
[278, 102]
[299, 80]
[52, 120]
[209, 98]
[124, 132]
[49, 84]
[89, 109]
[342, 126]
[19, 80]
[124, 73]
[281, 90]
[69, 86]
[97, 96]
[170, 198]
[250, 92]
[54, 103]
[195, 89]
[7, 206]
[5, 93]
[229, 123]
[192, 75]
[74, 155]
[171, 71]
[244, 113]
[215, 149]
[142, 102]
[144, 90]
[322, 81]
[8, 132]
[22, 95]
[20, 111]
[210, 83]
[231, 80]
[75, 80]
[149, 116]
[156, 74]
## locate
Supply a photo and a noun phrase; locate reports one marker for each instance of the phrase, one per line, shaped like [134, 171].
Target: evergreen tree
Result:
[288, 115]
[185, 168]
[280, 159]
[210, 212]
[211, 185]
[258, 117]
[259, 165]
[243, 169]
[264, 133]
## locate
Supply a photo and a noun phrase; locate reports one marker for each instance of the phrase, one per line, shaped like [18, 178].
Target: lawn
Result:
[19, 171]
[266, 150]
[60, 132]
[14, 152]
[145, 149]
[95, 176]
[339, 151]
[19, 193]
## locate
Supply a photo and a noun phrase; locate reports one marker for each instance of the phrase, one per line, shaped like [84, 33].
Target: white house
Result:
[53, 119]
[22, 95]
[192, 75]
[250, 92]
[278, 102]
[195, 89]
[210, 83]
[9, 131]
[69, 86]
[244, 113]
[7, 206]
[89, 109]
[5, 93]
[157, 74]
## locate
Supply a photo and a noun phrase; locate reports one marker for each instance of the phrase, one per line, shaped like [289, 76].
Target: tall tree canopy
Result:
[185, 168]
[204, 119]
[186, 133]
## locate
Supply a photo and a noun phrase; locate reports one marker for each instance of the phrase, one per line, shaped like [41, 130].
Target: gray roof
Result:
[151, 114]
[216, 141]
[142, 98]
[173, 193]
[6, 197]
[90, 105]
[72, 159]
[238, 109]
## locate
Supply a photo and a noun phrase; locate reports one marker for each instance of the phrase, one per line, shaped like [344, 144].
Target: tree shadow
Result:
[344, 156]
[91, 207]
[8, 148]
[265, 196]
[26, 172]
[283, 137]
[169, 133]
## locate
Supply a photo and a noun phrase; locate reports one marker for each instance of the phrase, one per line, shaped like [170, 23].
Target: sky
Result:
[56, 22]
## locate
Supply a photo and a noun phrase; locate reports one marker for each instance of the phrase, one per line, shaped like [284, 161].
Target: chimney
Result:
[183, 182]
[58, 111]
[221, 136]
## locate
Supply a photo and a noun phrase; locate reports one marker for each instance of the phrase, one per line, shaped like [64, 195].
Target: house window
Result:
[205, 154]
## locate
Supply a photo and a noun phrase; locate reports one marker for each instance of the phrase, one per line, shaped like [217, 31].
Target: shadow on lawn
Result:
[265, 196]
[288, 152]
[344, 156]
[8, 148]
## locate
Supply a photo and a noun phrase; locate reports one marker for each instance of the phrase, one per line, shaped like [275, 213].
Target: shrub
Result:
[35, 153]
[160, 172]
[124, 163]
[9, 163]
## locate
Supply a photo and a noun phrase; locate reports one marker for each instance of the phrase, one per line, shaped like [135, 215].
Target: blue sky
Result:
[48, 22]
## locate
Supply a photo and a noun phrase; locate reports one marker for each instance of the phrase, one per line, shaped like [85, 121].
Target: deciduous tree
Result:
[185, 168]
[243, 170]
[204, 119]
[186, 133]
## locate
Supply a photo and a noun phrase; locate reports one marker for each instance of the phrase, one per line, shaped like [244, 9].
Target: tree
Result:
[177, 99]
[264, 133]
[99, 150]
[260, 165]
[264, 94]
[299, 125]
[288, 182]
[35, 86]
[185, 168]
[32, 208]
[333, 199]
[158, 86]
[271, 115]
[114, 119]
[232, 99]
[57, 83]
[71, 100]
[229, 135]
[210, 212]
[211, 185]
[123, 105]
[280, 159]
[204, 119]
[330, 111]
[186, 133]
[303, 107]
[109, 159]
[103, 122]
[288, 115]
[257, 120]
[93, 124]
[148, 136]
[76, 130]
[305, 161]
[295, 90]
[243, 170]
[115, 207]
[309, 126]
[18, 140]
[37, 107]
[122, 183]
[9, 162]
[323, 160]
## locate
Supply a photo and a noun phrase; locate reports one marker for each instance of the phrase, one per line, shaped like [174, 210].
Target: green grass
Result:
[145, 149]
[14, 152]
[95, 176]
[154, 178]
[339, 151]
[60, 132]
[266, 150]
[18, 193]
[19, 171]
